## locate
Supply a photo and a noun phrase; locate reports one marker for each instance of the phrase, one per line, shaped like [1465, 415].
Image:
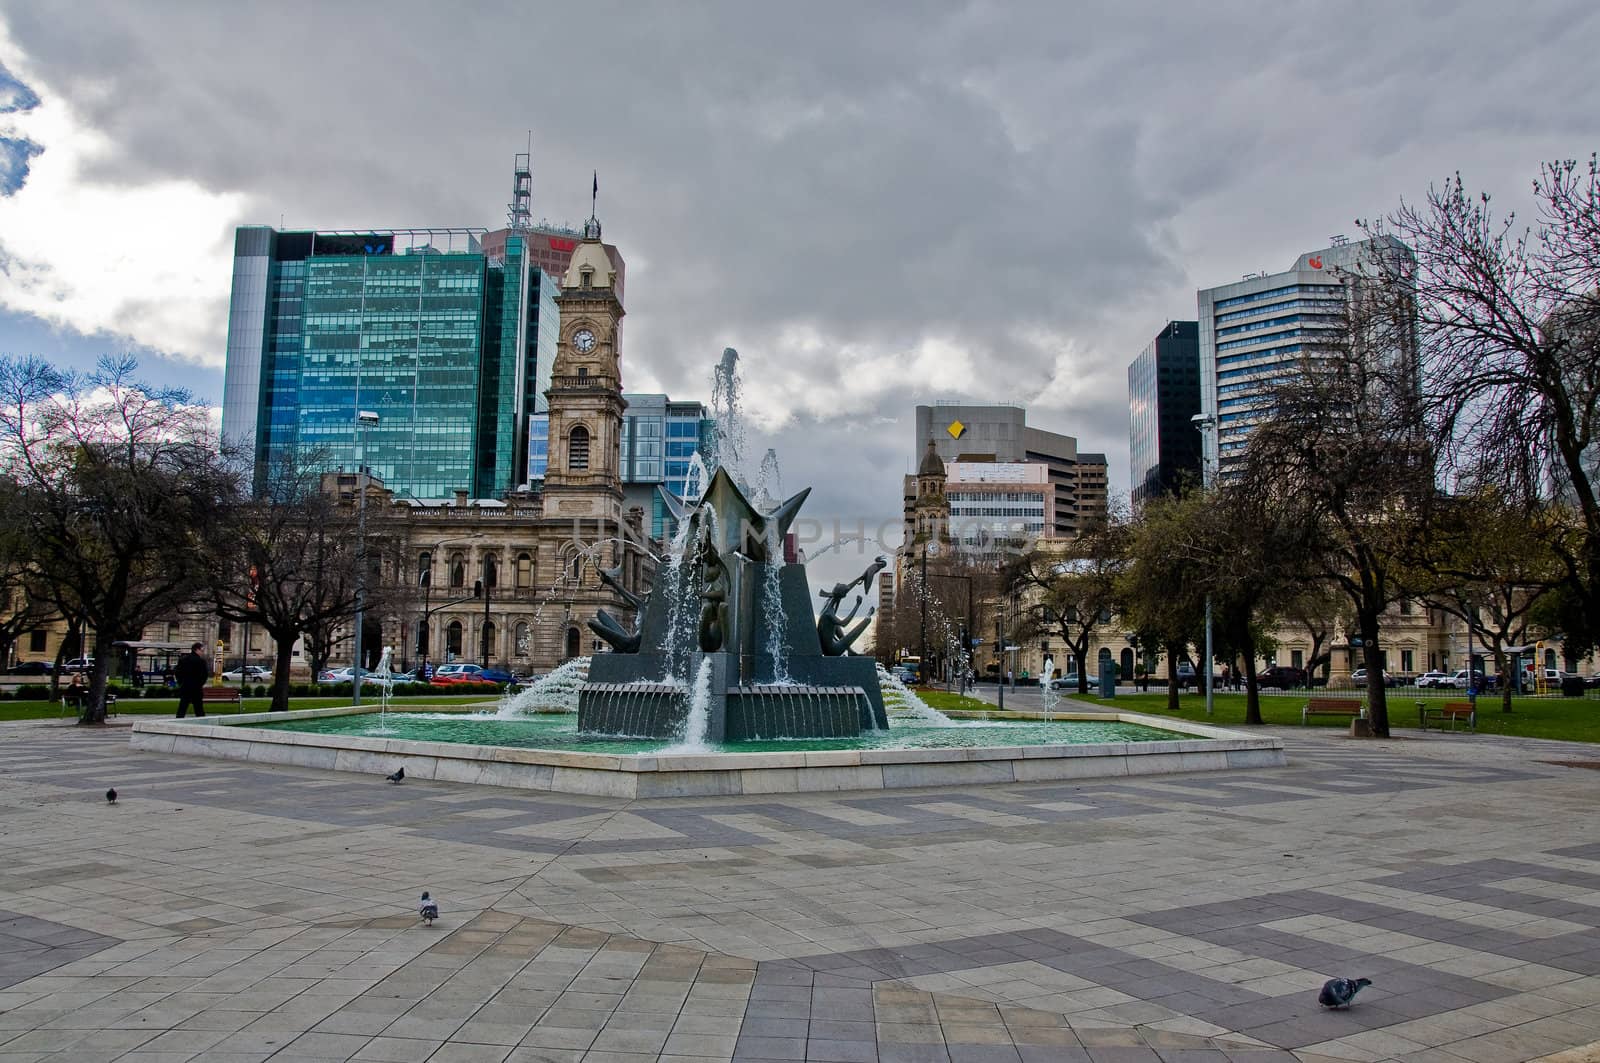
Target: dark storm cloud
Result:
[879, 205]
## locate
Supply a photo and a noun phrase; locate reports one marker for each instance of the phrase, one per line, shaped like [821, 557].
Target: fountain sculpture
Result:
[727, 637]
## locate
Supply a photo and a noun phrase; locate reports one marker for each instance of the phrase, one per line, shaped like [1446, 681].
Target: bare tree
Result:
[288, 563]
[1342, 453]
[120, 485]
[1070, 589]
[1509, 339]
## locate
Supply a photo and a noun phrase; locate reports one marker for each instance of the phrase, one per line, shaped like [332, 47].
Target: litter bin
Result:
[1108, 679]
[1572, 686]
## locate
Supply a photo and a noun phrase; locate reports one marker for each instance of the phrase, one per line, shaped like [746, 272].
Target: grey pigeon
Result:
[1339, 992]
[111, 795]
[428, 908]
[398, 776]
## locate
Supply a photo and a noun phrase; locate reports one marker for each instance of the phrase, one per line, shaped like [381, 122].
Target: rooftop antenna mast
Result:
[519, 212]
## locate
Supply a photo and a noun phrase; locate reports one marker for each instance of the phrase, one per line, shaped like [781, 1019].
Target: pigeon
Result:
[111, 795]
[428, 908]
[398, 776]
[1339, 992]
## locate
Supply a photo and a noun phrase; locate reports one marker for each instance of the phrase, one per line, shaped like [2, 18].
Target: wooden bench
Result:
[1348, 708]
[219, 695]
[1451, 710]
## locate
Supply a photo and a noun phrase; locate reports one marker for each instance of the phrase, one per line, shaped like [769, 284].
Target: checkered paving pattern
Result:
[232, 911]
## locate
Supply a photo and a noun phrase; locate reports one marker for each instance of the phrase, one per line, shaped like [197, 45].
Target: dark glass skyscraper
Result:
[445, 343]
[1163, 397]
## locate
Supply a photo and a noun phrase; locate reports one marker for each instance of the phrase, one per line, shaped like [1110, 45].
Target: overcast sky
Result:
[878, 204]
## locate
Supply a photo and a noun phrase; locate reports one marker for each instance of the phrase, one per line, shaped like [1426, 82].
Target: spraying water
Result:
[1048, 697]
[385, 676]
[726, 409]
[777, 622]
[695, 480]
[899, 700]
[556, 692]
[698, 722]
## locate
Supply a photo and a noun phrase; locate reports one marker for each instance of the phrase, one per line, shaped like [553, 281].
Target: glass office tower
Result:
[443, 342]
[1163, 397]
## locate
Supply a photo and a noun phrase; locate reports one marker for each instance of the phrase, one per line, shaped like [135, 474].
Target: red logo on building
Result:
[558, 243]
[1315, 261]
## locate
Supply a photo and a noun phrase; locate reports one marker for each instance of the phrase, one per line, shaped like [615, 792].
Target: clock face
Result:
[583, 341]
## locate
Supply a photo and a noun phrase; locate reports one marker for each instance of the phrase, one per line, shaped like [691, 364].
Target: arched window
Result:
[491, 571]
[574, 642]
[489, 633]
[524, 570]
[452, 638]
[520, 635]
[1104, 656]
[425, 569]
[578, 448]
[1126, 665]
[577, 566]
[458, 570]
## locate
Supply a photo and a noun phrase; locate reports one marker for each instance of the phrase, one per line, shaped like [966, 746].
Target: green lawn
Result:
[44, 710]
[945, 701]
[1568, 719]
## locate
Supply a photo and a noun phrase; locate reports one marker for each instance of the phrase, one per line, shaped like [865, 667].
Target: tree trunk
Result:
[94, 710]
[1173, 650]
[1372, 656]
[1505, 679]
[280, 671]
[1252, 693]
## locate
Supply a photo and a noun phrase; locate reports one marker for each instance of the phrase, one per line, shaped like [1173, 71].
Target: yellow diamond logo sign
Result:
[955, 429]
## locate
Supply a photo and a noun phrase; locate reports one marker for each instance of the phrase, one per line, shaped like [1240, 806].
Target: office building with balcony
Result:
[1255, 332]
[1163, 398]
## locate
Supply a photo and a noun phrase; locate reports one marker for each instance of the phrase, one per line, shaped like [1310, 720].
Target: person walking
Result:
[192, 673]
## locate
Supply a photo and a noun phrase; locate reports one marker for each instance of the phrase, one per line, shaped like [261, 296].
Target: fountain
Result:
[771, 671]
[722, 680]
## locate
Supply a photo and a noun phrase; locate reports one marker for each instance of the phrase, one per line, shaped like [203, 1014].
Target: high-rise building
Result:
[971, 433]
[420, 326]
[660, 437]
[1163, 397]
[1254, 333]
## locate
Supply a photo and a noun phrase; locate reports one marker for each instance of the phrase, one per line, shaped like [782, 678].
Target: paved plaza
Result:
[236, 912]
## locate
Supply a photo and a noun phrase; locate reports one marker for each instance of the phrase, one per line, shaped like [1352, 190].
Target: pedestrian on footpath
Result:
[192, 673]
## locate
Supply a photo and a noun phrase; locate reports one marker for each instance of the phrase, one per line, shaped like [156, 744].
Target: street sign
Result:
[1010, 649]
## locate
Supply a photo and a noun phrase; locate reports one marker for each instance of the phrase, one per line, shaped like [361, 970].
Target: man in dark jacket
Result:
[192, 673]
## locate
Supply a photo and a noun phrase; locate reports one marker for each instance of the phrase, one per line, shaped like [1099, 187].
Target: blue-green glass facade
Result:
[443, 344]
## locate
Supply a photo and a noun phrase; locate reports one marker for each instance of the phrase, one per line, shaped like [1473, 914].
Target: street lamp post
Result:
[366, 420]
[1207, 424]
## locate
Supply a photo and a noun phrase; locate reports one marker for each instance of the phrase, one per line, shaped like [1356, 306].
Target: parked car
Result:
[79, 664]
[1281, 677]
[347, 675]
[469, 673]
[1185, 674]
[1437, 680]
[1065, 682]
[250, 673]
[33, 668]
[1463, 680]
[1359, 678]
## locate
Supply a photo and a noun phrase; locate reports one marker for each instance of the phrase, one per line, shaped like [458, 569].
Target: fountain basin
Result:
[1191, 747]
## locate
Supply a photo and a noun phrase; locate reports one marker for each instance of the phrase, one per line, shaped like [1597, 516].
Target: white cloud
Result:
[149, 261]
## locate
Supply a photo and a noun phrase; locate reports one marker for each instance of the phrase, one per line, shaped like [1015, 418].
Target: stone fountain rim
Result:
[637, 775]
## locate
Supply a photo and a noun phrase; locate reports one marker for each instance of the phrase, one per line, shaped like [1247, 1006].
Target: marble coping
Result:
[1202, 748]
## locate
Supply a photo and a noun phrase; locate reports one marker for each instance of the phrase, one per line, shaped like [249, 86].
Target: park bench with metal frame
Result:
[1451, 710]
[1347, 708]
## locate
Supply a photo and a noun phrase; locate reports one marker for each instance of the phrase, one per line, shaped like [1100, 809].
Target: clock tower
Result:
[585, 396]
